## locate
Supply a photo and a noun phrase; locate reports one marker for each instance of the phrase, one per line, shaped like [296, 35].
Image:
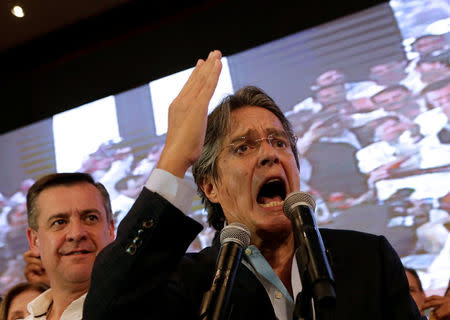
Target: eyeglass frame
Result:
[257, 142]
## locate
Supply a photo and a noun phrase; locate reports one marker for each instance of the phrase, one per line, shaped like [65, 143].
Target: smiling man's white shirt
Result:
[39, 307]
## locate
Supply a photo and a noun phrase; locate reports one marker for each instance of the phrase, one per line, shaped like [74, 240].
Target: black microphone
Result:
[234, 239]
[315, 272]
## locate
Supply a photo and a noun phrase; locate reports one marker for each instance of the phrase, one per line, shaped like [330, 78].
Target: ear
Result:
[210, 190]
[33, 241]
[111, 230]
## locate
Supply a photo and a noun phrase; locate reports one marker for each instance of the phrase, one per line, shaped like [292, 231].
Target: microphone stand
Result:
[316, 301]
[234, 238]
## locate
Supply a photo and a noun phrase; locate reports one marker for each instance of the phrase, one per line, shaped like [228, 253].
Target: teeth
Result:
[272, 204]
[76, 253]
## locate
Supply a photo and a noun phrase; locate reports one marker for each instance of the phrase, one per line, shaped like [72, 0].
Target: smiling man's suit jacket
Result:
[144, 273]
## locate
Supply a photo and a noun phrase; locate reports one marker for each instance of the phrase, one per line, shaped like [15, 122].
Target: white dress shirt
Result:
[39, 307]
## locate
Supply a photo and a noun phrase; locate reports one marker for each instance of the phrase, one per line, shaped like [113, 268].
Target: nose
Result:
[268, 154]
[76, 231]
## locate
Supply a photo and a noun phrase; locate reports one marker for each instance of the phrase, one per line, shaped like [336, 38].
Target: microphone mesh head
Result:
[298, 198]
[235, 232]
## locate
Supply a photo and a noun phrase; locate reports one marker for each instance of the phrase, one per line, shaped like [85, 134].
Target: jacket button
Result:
[147, 224]
[278, 294]
[137, 241]
[131, 250]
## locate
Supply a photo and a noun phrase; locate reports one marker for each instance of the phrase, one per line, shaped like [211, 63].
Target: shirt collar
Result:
[259, 265]
[40, 305]
[75, 309]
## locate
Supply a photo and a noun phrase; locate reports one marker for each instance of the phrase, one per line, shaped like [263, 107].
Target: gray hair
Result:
[218, 127]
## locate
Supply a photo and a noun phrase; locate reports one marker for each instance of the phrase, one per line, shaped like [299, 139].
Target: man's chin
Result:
[78, 268]
[276, 225]
[79, 273]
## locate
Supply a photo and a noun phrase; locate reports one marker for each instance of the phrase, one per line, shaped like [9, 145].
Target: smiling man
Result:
[70, 221]
[244, 161]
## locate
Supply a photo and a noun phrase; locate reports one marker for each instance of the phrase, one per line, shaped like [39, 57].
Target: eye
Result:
[279, 143]
[91, 218]
[58, 222]
[241, 148]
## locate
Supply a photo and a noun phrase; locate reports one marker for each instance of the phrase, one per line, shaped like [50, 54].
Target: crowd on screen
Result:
[389, 133]
[388, 137]
[383, 145]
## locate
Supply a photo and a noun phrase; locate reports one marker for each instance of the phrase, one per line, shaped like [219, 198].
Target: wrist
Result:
[171, 163]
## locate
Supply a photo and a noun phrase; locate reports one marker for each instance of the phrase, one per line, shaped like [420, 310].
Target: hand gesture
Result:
[34, 272]
[441, 306]
[188, 117]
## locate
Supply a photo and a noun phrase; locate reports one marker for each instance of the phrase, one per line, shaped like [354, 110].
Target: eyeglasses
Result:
[245, 146]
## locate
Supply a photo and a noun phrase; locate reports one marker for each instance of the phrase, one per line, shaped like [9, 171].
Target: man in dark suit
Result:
[245, 162]
[437, 95]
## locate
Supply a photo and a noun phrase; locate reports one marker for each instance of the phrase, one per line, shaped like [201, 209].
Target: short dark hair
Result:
[218, 127]
[415, 275]
[388, 89]
[442, 59]
[15, 291]
[436, 85]
[428, 35]
[62, 179]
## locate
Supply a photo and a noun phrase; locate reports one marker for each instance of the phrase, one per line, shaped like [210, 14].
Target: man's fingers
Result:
[187, 117]
[442, 313]
[35, 273]
[432, 303]
[27, 254]
[206, 73]
[33, 260]
[434, 298]
[187, 88]
[207, 90]
[202, 74]
[35, 265]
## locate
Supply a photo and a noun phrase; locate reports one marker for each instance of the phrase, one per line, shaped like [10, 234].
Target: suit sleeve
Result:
[135, 267]
[399, 303]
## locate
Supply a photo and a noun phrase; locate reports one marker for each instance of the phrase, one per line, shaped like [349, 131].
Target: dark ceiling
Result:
[66, 53]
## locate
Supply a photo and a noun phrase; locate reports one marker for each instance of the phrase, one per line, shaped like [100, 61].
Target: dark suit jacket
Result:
[444, 135]
[155, 280]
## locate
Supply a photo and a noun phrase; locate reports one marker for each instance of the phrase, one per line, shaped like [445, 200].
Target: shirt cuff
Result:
[179, 192]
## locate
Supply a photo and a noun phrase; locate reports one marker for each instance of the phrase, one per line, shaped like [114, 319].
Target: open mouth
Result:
[272, 193]
[74, 253]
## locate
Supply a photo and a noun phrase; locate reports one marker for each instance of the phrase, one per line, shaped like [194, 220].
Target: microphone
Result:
[315, 272]
[234, 239]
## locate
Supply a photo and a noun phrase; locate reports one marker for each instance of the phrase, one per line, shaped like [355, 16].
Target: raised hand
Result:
[34, 272]
[441, 306]
[188, 117]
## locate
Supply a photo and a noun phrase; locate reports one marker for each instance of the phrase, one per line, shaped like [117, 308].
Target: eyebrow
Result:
[57, 216]
[253, 132]
[66, 215]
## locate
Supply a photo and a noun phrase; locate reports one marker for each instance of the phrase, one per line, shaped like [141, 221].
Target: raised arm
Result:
[130, 275]
[188, 116]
